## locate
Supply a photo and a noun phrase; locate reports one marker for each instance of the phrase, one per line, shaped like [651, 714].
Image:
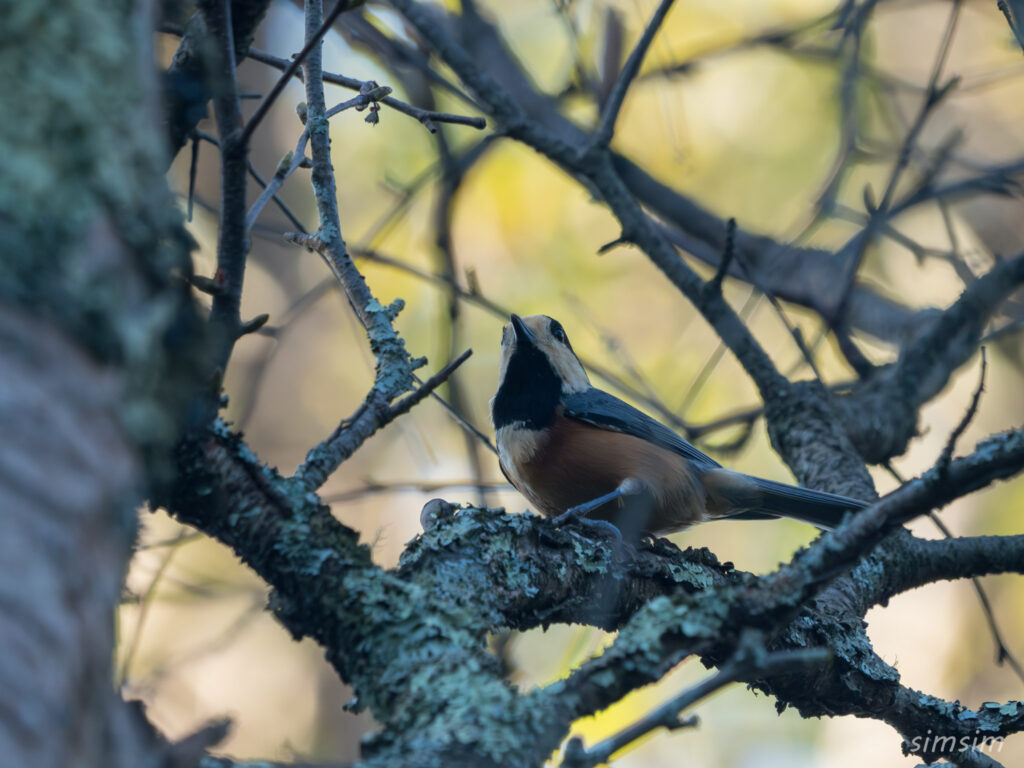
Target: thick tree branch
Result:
[880, 414]
[945, 559]
[524, 572]
[668, 629]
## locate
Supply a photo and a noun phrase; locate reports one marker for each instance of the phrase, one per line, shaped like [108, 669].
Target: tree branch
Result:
[232, 242]
[666, 604]
[880, 414]
[372, 415]
[754, 662]
[292, 69]
[427, 117]
[603, 134]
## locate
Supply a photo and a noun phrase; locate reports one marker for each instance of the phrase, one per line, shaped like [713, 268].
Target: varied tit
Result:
[574, 450]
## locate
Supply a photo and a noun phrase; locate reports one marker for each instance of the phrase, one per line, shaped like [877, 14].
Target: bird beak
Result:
[522, 332]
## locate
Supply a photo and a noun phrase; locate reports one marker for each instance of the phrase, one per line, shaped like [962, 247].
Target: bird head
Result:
[538, 366]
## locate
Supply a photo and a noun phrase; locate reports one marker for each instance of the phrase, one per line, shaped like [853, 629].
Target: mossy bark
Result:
[98, 345]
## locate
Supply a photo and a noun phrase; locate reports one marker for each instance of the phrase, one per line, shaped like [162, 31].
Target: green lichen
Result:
[394, 365]
[685, 572]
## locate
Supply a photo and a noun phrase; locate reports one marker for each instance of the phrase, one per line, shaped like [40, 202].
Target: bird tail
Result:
[735, 496]
[825, 510]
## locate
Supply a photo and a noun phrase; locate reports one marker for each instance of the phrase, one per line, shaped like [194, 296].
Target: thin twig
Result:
[878, 214]
[947, 453]
[405, 194]
[428, 386]
[668, 714]
[193, 169]
[1003, 654]
[704, 375]
[605, 129]
[291, 70]
[284, 170]
[933, 96]
[463, 422]
[145, 603]
[1014, 26]
[453, 172]
[850, 47]
[265, 196]
[426, 117]
[794, 332]
[728, 253]
[282, 206]
[372, 488]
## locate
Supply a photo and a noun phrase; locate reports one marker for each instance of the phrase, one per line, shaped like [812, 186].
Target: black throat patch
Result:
[530, 391]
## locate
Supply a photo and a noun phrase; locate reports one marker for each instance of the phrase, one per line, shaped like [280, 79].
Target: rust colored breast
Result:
[577, 462]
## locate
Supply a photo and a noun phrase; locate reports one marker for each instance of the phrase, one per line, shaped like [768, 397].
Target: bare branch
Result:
[427, 117]
[292, 69]
[372, 415]
[552, 575]
[232, 242]
[288, 165]
[950, 559]
[605, 129]
[1004, 8]
[972, 409]
[395, 367]
[750, 663]
[881, 424]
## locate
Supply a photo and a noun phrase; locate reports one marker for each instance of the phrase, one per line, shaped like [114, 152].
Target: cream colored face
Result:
[557, 350]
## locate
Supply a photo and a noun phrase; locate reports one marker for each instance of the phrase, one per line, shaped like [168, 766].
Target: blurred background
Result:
[747, 126]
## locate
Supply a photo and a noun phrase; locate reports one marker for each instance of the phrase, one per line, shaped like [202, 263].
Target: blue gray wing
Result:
[599, 409]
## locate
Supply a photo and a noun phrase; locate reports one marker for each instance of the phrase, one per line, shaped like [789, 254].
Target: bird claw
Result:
[627, 487]
[573, 513]
[603, 527]
[600, 529]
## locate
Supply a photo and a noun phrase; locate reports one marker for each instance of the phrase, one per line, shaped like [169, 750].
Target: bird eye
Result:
[558, 332]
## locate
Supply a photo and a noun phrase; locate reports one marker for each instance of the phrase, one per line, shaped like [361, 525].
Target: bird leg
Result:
[628, 487]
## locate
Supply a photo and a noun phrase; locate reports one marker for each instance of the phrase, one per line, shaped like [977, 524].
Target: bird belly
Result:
[572, 463]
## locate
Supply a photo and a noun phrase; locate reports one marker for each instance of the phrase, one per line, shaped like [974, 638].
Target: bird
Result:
[577, 452]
